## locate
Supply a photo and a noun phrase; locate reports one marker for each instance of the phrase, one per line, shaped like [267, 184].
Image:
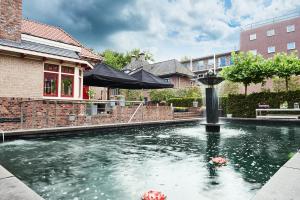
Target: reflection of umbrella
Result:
[149, 81]
[104, 76]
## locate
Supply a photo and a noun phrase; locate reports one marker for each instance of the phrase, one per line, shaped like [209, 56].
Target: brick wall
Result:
[10, 19]
[48, 114]
[180, 81]
[21, 77]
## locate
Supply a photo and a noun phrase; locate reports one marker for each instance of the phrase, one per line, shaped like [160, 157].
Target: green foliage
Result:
[244, 106]
[132, 95]
[161, 95]
[229, 87]
[284, 66]
[247, 68]
[91, 93]
[165, 94]
[119, 60]
[185, 102]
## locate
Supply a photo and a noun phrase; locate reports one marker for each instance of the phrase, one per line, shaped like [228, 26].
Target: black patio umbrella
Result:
[104, 76]
[149, 81]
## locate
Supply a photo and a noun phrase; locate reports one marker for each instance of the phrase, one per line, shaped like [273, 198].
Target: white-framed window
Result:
[210, 61]
[167, 80]
[252, 36]
[290, 28]
[291, 45]
[271, 49]
[200, 75]
[198, 65]
[253, 51]
[270, 32]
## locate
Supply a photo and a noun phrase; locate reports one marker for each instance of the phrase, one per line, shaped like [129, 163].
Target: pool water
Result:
[123, 164]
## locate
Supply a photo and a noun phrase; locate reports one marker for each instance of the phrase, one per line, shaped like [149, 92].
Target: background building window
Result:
[222, 61]
[254, 52]
[290, 28]
[271, 49]
[198, 65]
[167, 80]
[270, 32]
[252, 36]
[210, 62]
[291, 45]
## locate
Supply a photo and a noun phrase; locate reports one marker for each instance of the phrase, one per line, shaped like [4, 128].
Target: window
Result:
[270, 32]
[252, 36]
[51, 73]
[290, 28]
[67, 81]
[231, 61]
[271, 49]
[198, 65]
[222, 61]
[210, 61]
[167, 80]
[291, 45]
[254, 52]
[200, 75]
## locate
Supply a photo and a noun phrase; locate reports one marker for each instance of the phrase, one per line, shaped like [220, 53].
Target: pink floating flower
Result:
[153, 195]
[219, 161]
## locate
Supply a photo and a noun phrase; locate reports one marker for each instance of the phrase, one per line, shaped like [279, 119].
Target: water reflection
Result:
[123, 164]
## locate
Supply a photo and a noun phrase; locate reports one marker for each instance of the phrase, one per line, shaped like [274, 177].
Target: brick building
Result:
[280, 34]
[171, 70]
[38, 60]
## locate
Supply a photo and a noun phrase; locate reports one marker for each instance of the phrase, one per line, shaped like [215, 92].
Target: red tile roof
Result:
[53, 33]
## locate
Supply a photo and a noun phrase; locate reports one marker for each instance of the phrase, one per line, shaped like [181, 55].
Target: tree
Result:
[119, 60]
[247, 68]
[228, 87]
[285, 66]
[136, 53]
[115, 59]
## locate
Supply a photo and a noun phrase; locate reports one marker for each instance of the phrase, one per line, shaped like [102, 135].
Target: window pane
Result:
[290, 28]
[222, 61]
[252, 36]
[51, 67]
[291, 45]
[50, 84]
[69, 70]
[67, 85]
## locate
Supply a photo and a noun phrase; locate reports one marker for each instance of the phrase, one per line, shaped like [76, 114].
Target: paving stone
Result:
[294, 162]
[13, 189]
[4, 173]
[284, 185]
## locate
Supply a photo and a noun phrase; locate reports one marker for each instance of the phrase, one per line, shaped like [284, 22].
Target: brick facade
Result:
[279, 40]
[48, 114]
[10, 19]
[180, 81]
[21, 77]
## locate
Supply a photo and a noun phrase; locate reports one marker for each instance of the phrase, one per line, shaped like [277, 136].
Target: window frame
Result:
[252, 37]
[57, 73]
[254, 52]
[289, 26]
[294, 47]
[272, 33]
[271, 51]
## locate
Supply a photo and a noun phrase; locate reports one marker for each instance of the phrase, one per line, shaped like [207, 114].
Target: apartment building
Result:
[202, 65]
[268, 37]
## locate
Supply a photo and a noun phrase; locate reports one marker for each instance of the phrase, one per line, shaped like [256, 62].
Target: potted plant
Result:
[195, 103]
[91, 108]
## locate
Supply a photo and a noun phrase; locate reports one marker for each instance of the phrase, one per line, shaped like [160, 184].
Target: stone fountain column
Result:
[212, 105]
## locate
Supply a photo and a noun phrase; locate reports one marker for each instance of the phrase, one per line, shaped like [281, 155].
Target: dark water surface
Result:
[122, 164]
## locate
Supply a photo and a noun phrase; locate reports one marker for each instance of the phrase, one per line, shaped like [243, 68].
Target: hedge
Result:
[244, 106]
[184, 102]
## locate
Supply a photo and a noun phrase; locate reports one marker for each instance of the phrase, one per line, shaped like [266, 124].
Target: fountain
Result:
[212, 105]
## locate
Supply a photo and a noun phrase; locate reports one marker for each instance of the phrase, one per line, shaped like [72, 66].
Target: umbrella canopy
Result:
[104, 76]
[149, 81]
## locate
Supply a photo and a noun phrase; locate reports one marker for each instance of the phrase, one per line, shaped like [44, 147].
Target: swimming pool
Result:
[122, 164]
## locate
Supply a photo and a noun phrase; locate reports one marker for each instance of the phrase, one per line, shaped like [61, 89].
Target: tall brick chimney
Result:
[10, 19]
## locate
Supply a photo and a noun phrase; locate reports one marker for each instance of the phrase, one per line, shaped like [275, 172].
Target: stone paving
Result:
[284, 185]
[11, 188]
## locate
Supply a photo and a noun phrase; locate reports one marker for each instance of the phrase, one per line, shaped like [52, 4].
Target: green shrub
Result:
[184, 102]
[244, 106]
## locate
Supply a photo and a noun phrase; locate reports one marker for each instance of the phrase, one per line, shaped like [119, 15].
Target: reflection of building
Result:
[171, 70]
[38, 60]
[201, 65]
[280, 34]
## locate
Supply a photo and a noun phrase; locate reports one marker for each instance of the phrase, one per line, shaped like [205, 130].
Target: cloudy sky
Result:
[167, 28]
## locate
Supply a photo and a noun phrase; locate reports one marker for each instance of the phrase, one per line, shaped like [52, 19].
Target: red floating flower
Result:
[219, 161]
[153, 195]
